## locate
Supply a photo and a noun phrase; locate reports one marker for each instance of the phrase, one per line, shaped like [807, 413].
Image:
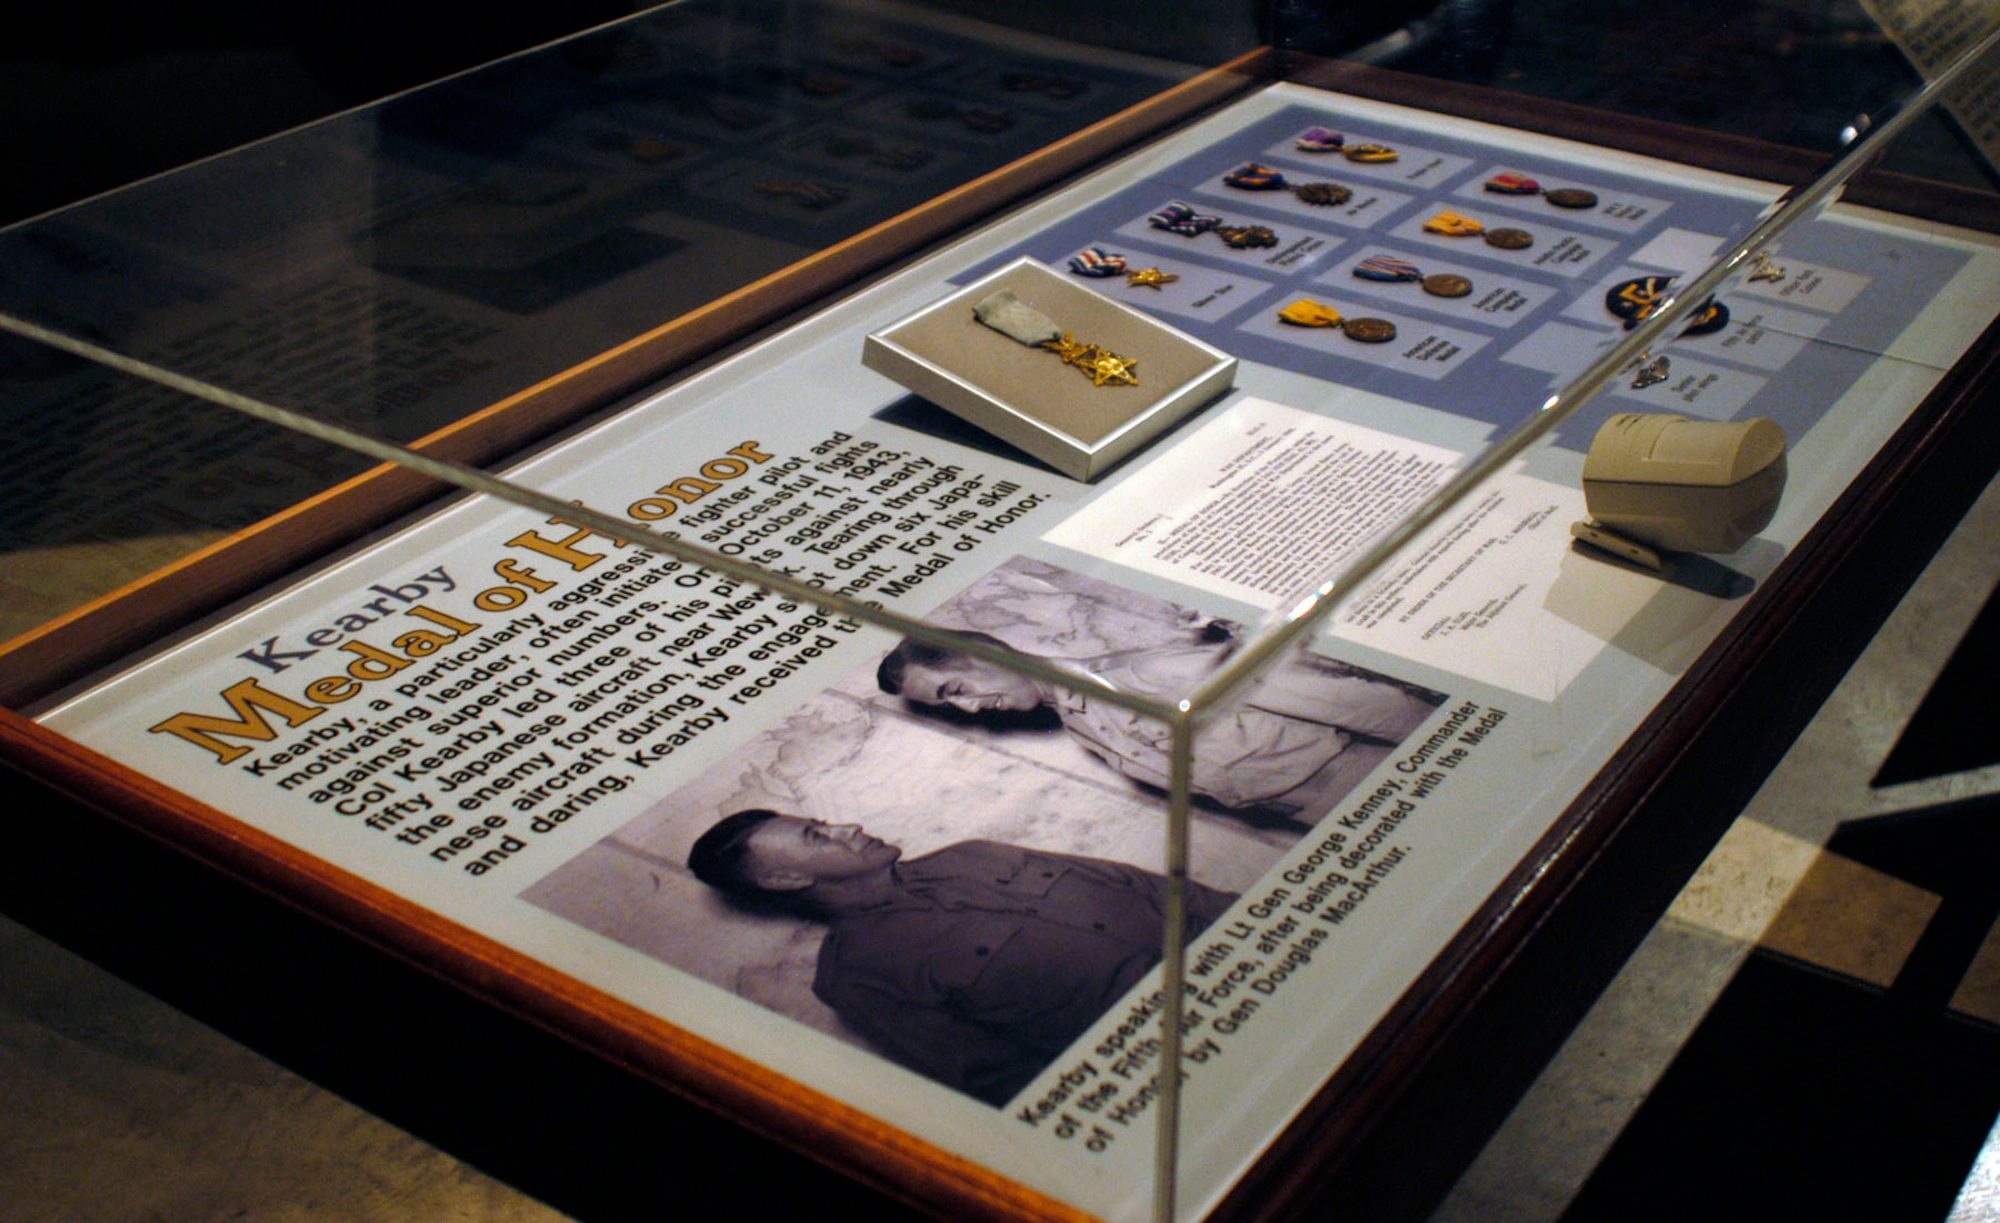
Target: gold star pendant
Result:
[1150, 278]
[1110, 369]
[1766, 269]
[1104, 367]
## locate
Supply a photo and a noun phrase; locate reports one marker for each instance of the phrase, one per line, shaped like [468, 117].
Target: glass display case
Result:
[555, 525]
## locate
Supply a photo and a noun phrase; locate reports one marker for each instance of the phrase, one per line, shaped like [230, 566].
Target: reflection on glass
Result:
[395, 269]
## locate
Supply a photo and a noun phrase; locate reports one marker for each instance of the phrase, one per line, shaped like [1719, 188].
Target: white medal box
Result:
[1029, 396]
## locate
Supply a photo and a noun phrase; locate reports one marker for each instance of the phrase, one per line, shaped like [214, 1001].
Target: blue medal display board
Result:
[1535, 315]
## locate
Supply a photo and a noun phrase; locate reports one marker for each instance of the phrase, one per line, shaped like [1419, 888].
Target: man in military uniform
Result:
[1272, 748]
[977, 965]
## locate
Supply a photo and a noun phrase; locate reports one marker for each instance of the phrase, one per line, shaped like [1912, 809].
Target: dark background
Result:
[93, 97]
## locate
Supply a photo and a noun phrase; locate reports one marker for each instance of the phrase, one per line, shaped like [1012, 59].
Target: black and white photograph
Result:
[956, 867]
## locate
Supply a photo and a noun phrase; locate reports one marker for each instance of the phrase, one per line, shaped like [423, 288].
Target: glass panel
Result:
[1792, 76]
[400, 268]
[1169, 605]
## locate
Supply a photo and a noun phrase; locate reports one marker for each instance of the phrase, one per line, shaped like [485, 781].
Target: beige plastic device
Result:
[1666, 483]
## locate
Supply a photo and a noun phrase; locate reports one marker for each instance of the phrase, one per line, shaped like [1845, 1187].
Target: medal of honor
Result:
[1022, 323]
